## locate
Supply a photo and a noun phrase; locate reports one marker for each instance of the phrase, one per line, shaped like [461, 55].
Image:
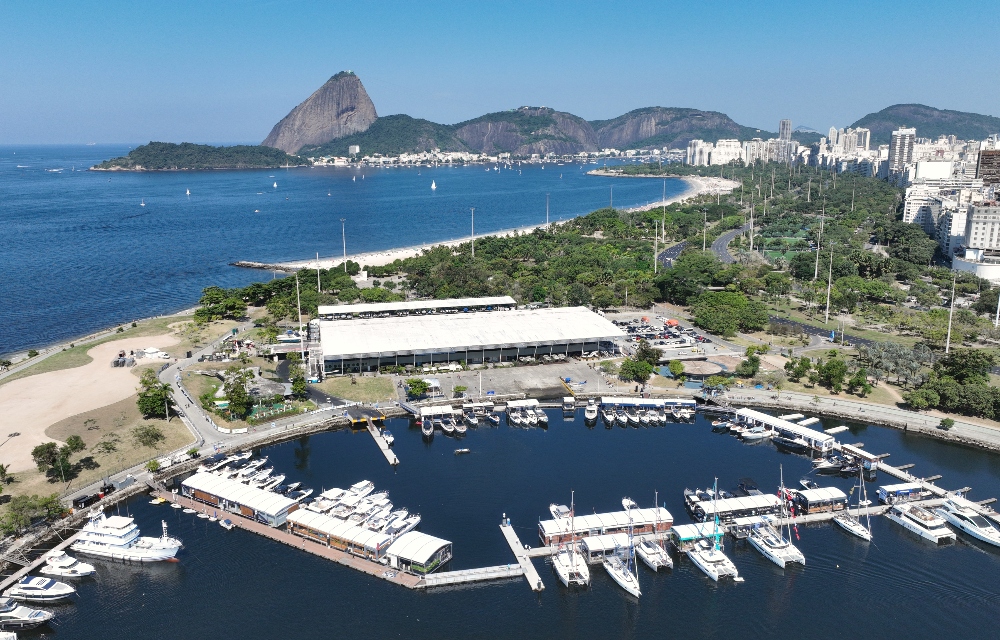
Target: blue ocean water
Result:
[239, 585]
[81, 254]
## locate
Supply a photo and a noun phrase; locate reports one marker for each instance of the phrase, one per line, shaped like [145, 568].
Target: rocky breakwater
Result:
[337, 109]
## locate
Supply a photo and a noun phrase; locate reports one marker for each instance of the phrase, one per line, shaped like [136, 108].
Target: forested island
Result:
[167, 156]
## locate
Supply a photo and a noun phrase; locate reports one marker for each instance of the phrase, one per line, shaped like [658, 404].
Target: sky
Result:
[226, 71]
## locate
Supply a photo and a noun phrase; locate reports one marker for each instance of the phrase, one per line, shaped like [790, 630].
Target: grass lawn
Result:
[366, 389]
[877, 336]
[109, 422]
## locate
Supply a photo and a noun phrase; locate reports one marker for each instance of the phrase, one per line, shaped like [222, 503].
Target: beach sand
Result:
[696, 186]
[30, 405]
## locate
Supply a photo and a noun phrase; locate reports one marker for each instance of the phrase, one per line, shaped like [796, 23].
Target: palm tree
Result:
[4, 468]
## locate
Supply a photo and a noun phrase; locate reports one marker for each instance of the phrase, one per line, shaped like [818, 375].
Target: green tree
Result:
[648, 353]
[147, 435]
[832, 373]
[416, 387]
[237, 393]
[749, 367]
[299, 387]
[45, 456]
[153, 466]
[967, 365]
[636, 370]
[676, 368]
[946, 424]
[154, 397]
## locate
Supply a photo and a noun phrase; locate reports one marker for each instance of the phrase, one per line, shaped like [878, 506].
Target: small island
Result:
[167, 156]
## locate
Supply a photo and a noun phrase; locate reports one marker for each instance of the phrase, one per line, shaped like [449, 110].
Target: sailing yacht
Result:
[188, 192]
[142, 203]
[771, 543]
[275, 185]
[849, 522]
[569, 563]
[968, 521]
[708, 557]
[650, 549]
[619, 567]
[433, 186]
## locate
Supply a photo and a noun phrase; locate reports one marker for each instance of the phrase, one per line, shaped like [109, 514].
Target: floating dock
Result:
[34, 564]
[465, 576]
[534, 581]
[383, 446]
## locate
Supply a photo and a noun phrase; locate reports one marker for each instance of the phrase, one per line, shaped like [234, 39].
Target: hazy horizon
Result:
[111, 72]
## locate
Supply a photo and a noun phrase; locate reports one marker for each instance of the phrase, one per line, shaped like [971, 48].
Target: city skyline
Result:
[226, 72]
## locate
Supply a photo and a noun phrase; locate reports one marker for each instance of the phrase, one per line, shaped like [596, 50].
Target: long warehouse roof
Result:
[340, 529]
[414, 305]
[233, 491]
[371, 337]
[604, 521]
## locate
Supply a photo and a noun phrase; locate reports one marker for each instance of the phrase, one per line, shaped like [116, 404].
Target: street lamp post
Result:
[473, 232]
[343, 236]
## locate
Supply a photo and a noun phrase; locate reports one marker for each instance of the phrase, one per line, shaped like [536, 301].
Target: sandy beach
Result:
[31, 405]
[697, 186]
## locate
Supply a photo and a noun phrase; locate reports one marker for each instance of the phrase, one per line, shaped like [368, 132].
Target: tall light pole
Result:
[473, 232]
[612, 205]
[704, 230]
[343, 235]
[546, 212]
[829, 282]
[951, 312]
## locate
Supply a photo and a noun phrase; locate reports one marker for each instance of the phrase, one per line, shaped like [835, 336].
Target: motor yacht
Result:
[921, 522]
[830, 465]
[427, 428]
[471, 418]
[59, 563]
[653, 554]
[968, 521]
[38, 589]
[676, 414]
[686, 414]
[458, 426]
[388, 437]
[755, 434]
[17, 617]
[273, 482]
[363, 488]
[618, 568]
[529, 418]
[712, 561]
[608, 416]
[773, 546]
[117, 538]
[632, 417]
[543, 418]
[571, 568]
[300, 494]
[514, 418]
[590, 413]
[493, 418]
[721, 427]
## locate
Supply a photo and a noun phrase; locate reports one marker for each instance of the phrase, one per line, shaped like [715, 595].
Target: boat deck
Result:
[383, 446]
[523, 559]
[340, 557]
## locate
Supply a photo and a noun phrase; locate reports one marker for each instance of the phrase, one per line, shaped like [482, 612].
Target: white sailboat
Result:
[275, 185]
[849, 522]
[433, 186]
[770, 542]
[709, 557]
[187, 192]
[569, 564]
[650, 549]
[142, 203]
[619, 568]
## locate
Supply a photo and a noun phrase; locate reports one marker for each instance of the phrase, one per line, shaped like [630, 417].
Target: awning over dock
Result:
[235, 497]
[596, 524]
[729, 509]
[817, 440]
[338, 533]
[418, 552]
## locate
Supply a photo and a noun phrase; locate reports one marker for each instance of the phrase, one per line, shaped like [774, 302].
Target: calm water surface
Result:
[240, 586]
[81, 254]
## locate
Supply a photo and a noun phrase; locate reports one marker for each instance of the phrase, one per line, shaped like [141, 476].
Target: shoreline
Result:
[696, 186]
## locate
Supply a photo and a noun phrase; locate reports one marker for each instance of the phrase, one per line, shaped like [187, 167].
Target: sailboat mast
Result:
[572, 530]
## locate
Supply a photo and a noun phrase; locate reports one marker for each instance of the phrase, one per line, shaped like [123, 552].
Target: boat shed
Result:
[599, 524]
[235, 497]
[684, 536]
[904, 492]
[418, 552]
[595, 548]
[339, 534]
[368, 344]
[649, 403]
[415, 307]
[817, 440]
[819, 500]
[729, 509]
[439, 410]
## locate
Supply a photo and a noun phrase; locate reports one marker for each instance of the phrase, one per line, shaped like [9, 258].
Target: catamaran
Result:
[619, 567]
[708, 557]
[849, 522]
[769, 540]
[569, 564]
[968, 521]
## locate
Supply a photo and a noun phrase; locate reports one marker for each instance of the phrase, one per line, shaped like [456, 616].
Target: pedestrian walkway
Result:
[534, 581]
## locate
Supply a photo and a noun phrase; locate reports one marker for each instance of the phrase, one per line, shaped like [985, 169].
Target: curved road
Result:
[720, 246]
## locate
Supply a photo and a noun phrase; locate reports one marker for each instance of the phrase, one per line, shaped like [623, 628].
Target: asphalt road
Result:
[672, 252]
[720, 246]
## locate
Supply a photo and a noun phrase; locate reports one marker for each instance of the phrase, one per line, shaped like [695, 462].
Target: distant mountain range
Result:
[342, 113]
[929, 122]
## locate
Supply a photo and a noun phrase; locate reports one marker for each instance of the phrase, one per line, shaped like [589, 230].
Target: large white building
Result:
[901, 148]
[699, 152]
[726, 151]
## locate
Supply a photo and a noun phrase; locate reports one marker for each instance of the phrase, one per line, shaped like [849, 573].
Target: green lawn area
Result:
[878, 336]
[366, 389]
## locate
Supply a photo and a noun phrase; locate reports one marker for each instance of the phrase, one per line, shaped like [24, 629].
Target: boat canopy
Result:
[343, 531]
[692, 532]
[416, 547]
[478, 406]
[730, 508]
[440, 410]
[595, 546]
[596, 524]
[815, 439]
[522, 404]
[648, 403]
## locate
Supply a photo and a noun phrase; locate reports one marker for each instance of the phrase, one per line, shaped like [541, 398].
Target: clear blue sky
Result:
[227, 71]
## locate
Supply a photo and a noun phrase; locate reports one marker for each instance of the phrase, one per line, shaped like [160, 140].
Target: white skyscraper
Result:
[785, 130]
[901, 148]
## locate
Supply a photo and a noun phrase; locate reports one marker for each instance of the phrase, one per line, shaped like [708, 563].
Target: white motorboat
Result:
[388, 437]
[621, 417]
[644, 418]
[427, 428]
[851, 523]
[755, 434]
[686, 414]
[362, 488]
[921, 522]
[608, 416]
[653, 554]
[712, 561]
[571, 568]
[529, 418]
[17, 617]
[273, 482]
[471, 418]
[251, 467]
[543, 418]
[618, 568]
[59, 563]
[300, 494]
[399, 527]
[493, 418]
[968, 521]
[676, 414]
[773, 546]
[559, 511]
[226, 524]
[632, 417]
[458, 426]
[38, 589]
[447, 426]
[117, 538]
[514, 418]
[590, 413]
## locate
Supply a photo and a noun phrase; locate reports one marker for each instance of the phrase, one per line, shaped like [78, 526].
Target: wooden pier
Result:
[382, 444]
[534, 581]
[34, 564]
[465, 576]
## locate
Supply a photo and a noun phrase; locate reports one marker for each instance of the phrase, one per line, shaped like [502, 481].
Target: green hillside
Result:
[167, 156]
[929, 123]
[392, 135]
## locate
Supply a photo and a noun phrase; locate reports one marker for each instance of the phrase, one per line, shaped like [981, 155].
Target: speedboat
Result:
[273, 482]
[676, 414]
[633, 418]
[571, 568]
[590, 413]
[721, 427]
[300, 494]
[529, 418]
[653, 554]
[773, 546]
[117, 538]
[808, 484]
[17, 617]
[447, 427]
[226, 524]
[427, 428]
[644, 418]
[618, 569]
[543, 418]
[471, 418]
[437, 423]
[712, 561]
[514, 418]
[59, 563]
[831, 465]
[921, 522]
[458, 426]
[493, 418]
[621, 417]
[608, 416]
[38, 589]
[388, 437]
[968, 521]
[755, 434]
[686, 414]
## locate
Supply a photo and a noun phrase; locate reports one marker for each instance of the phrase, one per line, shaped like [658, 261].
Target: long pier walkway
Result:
[464, 576]
[34, 564]
[534, 581]
[383, 446]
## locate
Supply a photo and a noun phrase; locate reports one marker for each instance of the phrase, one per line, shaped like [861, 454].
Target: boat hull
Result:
[853, 527]
[131, 554]
[937, 536]
[624, 579]
[964, 528]
[779, 557]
